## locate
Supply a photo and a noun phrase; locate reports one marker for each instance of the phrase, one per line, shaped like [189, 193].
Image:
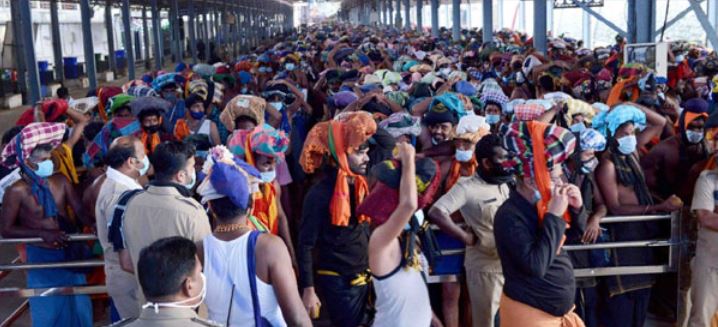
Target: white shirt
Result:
[123, 179]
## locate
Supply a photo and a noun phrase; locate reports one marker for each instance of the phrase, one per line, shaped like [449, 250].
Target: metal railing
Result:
[18, 292]
[676, 244]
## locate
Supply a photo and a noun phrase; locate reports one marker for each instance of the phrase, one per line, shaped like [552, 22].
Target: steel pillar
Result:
[87, 43]
[641, 20]
[586, 30]
[192, 33]
[146, 37]
[456, 18]
[129, 46]
[705, 22]
[488, 16]
[540, 25]
[28, 51]
[397, 20]
[174, 18]
[500, 16]
[56, 42]
[419, 15]
[435, 18]
[110, 37]
[157, 34]
[407, 14]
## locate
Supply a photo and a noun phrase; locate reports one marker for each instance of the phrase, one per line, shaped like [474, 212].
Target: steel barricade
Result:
[6, 269]
[676, 253]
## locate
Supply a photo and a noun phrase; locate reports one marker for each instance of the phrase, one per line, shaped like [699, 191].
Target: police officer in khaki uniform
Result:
[166, 208]
[171, 278]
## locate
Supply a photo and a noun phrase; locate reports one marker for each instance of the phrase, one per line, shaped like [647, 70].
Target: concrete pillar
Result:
[129, 46]
[87, 43]
[435, 18]
[157, 35]
[110, 36]
[456, 18]
[540, 25]
[56, 42]
[146, 37]
[28, 51]
[488, 16]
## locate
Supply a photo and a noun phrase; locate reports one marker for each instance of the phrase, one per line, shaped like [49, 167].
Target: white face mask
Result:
[181, 304]
[268, 176]
[277, 105]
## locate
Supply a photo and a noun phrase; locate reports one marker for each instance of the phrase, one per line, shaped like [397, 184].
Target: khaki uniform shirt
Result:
[166, 317]
[704, 197]
[478, 202]
[162, 212]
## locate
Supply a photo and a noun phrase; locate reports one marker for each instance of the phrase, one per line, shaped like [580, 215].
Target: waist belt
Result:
[360, 279]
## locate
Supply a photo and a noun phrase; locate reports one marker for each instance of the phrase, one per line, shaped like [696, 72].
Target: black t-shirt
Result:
[534, 274]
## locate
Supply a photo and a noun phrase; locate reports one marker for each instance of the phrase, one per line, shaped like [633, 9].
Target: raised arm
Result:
[383, 235]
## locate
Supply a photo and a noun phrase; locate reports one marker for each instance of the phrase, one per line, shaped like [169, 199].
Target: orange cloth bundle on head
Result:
[337, 138]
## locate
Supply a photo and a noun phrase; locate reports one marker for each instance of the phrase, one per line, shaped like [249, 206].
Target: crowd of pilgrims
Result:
[320, 176]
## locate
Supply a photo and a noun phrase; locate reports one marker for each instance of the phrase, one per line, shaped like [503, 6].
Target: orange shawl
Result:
[150, 142]
[340, 205]
[181, 129]
[336, 138]
[614, 97]
[264, 202]
[541, 173]
[455, 171]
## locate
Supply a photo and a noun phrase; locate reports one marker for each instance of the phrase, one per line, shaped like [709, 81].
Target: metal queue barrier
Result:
[677, 246]
[676, 242]
[18, 292]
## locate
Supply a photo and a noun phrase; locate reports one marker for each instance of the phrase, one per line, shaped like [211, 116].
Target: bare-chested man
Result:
[623, 187]
[35, 206]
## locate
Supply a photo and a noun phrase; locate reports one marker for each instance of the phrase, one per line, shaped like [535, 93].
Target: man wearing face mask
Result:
[168, 87]
[150, 111]
[166, 208]
[127, 162]
[477, 198]
[35, 206]
[677, 153]
[263, 147]
[580, 172]
[170, 273]
[530, 229]
[623, 188]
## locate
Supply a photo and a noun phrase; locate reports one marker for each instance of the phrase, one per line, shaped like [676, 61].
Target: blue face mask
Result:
[578, 128]
[145, 166]
[196, 114]
[627, 144]
[44, 168]
[268, 176]
[244, 90]
[290, 66]
[492, 119]
[536, 197]
[463, 155]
